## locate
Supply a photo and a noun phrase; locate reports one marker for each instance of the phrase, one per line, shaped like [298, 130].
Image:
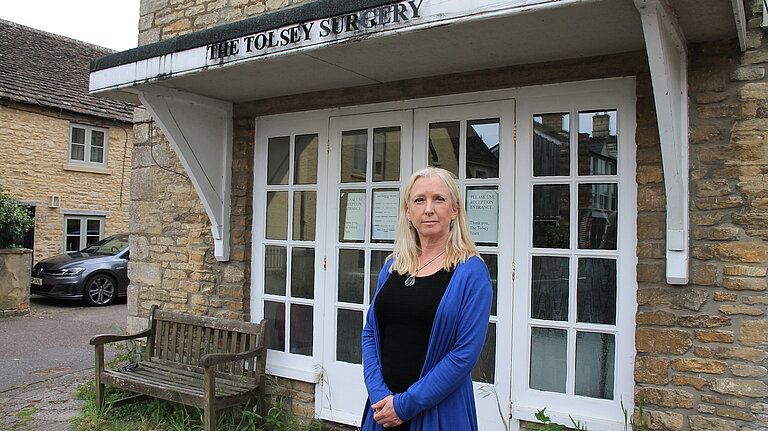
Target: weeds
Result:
[548, 425]
[159, 415]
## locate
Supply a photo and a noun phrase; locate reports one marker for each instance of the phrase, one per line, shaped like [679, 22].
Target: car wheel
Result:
[100, 289]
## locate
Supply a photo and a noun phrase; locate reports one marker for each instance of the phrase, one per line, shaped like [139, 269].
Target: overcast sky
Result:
[109, 23]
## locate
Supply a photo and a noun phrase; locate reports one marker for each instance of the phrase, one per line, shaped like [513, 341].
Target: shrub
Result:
[15, 221]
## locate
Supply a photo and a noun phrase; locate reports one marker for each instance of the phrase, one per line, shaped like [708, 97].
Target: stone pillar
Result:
[15, 274]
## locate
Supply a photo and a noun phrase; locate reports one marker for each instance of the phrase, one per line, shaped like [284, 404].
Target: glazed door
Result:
[476, 143]
[369, 159]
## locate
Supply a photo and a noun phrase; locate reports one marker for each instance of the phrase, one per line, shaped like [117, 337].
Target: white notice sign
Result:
[354, 217]
[385, 213]
[483, 214]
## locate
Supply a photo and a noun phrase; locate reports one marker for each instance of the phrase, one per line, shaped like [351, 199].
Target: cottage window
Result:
[87, 146]
[80, 232]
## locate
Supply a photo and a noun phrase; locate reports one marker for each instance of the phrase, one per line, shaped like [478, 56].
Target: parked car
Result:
[96, 274]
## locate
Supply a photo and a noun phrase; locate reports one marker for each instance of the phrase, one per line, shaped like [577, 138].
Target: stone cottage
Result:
[612, 155]
[66, 153]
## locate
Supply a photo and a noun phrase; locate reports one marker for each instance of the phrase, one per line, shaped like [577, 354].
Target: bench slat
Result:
[212, 322]
[192, 385]
[192, 374]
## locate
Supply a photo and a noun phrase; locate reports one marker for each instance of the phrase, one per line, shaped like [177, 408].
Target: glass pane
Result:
[598, 205]
[78, 135]
[349, 330]
[354, 155]
[277, 215]
[351, 275]
[305, 160]
[90, 240]
[492, 261]
[304, 218]
[551, 145]
[483, 148]
[301, 329]
[275, 313]
[275, 264]
[72, 243]
[93, 227]
[384, 215]
[594, 364]
[551, 220]
[597, 143]
[444, 145]
[77, 152]
[352, 216]
[378, 258]
[303, 272]
[73, 226]
[549, 286]
[386, 154]
[596, 291]
[97, 138]
[485, 368]
[97, 154]
[482, 205]
[278, 150]
[548, 359]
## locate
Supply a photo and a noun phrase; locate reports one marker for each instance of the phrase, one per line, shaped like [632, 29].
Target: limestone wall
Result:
[35, 143]
[14, 280]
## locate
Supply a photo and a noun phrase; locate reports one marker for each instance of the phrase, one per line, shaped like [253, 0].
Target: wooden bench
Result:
[198, 361]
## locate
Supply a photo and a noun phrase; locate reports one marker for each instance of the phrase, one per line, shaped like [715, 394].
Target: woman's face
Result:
[430, 208]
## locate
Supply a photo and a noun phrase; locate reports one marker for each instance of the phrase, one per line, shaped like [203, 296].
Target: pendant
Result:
[410, 280]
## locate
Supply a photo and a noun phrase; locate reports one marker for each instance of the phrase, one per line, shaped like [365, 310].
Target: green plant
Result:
[15, 221]
[127, 352]
[548, 425]
[638, 421]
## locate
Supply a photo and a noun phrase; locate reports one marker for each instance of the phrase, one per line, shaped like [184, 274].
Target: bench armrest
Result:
[111, 338]
[212, 359]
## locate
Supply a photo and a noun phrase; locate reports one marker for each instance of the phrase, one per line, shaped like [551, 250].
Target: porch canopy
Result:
[190, 82]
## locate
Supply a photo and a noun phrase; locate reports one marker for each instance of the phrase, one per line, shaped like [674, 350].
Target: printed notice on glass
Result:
[354, 220]
[483, 214]
[384, 224]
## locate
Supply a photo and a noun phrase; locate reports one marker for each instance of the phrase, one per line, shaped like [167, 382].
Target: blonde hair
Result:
[460, 245]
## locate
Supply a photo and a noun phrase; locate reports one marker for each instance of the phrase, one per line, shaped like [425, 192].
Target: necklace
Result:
[412, 278]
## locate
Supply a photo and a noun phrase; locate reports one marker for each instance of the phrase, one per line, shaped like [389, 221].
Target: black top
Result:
[405, 315]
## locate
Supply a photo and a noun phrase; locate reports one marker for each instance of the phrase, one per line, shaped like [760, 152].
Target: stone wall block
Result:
[725, 297]
[704, 423]
[755, 300]
[706, 219]
[754, 90]
[665, 420]
[703, 321]
[744, 270]
[649, 174]
[706, 80]
[654, 296]
[754, 333]
[651, 226]
[722, 352]
[731, 309]
[674, 398]
[652, 340]
[755, 371]
[651, 197]
[741, 283]
[748, 73]
[650, 272]
[712, 188]
[705, 133]
[690, 299]
[719, 203]
[698, 365]
[657, 318]
[741, 387]
[732, 413]
[704, 275]
[694, 382]
[653, 370]
[741, 252]
[651, 250]
[714, 336]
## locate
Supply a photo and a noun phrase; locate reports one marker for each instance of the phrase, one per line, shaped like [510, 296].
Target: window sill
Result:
[293, 373]
[89, 169]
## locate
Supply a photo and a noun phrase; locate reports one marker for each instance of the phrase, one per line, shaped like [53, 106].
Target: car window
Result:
[108, 246]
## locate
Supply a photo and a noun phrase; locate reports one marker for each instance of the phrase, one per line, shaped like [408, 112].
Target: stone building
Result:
[66, 153]
[612, 153]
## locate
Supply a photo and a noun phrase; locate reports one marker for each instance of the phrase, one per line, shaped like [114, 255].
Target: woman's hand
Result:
[385, 412]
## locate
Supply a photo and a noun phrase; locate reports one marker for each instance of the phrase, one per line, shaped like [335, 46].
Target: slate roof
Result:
[52, 71]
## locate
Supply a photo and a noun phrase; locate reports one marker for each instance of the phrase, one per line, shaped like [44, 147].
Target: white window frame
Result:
[619, 94]
[87, 150]
[83, 230]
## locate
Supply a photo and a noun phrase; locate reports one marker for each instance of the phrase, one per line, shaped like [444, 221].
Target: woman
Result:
[427, 322]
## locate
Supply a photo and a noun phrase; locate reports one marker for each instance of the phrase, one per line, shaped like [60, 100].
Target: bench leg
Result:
[209, 388]
[99, 366]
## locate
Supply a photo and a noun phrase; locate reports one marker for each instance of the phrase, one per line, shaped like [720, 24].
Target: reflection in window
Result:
[597, 143]
[278, 150]
[551, 216]
[595, 354]
[444, 145]
[275, 264]
[386, 154]
[304, 208]
[301, 329]
[351, 275]
[303, 272]
[551, 145]
[549, 288]
[352, 215]
[378, 258]
[486, 365]
[277, 215]
[354, 155]
[492, 261]
[598, 223]
[483, 148]
[548, 359]
[596, 291]
[349, 331]
[305, 160]
[274, 312]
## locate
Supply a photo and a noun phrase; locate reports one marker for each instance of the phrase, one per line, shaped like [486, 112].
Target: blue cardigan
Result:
[442, 398]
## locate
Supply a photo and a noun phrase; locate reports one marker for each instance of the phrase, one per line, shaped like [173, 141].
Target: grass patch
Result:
[159, 415]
